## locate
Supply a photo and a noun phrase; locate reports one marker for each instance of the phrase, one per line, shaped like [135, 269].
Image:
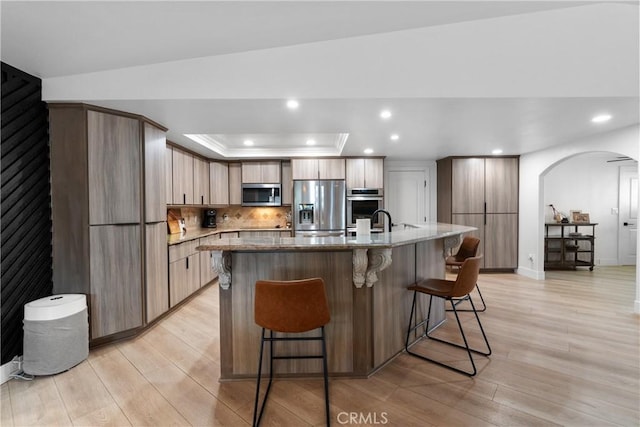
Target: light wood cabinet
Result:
[182, 174]
[155, 147]
[114, 159]
[207, 274]
[258, 233]
[99, 161]
[168, 157]
[263, 172]
[235, 184]
[318, 168]
[365, 173]
[116, 279]
[184, 271]
[287, 184]
[200, 181]
[483, 193]
[156, 270]
[218, 183]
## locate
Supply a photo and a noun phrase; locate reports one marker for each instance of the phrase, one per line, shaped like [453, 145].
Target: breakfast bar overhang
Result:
[366, 279]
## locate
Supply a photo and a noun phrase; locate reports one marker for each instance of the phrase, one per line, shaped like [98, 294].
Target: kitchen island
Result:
[366, 279]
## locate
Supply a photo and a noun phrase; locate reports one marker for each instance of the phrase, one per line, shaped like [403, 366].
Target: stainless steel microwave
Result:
[261, 195]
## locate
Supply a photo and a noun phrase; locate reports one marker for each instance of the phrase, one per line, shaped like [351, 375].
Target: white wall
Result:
[588, 183]
[534, 166]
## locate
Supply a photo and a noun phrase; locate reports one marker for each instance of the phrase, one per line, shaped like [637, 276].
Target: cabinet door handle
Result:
[485, 213]
[184, 199]
[202, 200]
[187, 262]
[627, 224]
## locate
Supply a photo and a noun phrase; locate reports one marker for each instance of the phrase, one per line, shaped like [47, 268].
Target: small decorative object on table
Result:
[581, 218]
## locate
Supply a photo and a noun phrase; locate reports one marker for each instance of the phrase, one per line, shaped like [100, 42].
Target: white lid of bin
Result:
[55, 307]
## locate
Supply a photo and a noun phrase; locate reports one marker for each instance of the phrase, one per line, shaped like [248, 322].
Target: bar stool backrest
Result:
[467, 277]
[468, 248]
[291, 306]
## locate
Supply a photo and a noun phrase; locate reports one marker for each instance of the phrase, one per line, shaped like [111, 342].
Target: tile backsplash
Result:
[237, 216]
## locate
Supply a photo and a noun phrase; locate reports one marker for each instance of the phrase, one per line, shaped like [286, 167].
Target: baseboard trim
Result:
[7, 369]
[532, 274]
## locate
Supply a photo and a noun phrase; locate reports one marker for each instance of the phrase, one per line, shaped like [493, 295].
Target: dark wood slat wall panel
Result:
[26, 203]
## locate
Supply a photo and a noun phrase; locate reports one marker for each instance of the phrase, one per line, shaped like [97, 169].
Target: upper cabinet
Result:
[264, 172]
[287, 184]
[168, 173]
[235, 184]
[113, 152]
[155, 181]
[219, 183]
[200, 181]
[182, 178]
[190, 178]
[318, 168]
[365, 173]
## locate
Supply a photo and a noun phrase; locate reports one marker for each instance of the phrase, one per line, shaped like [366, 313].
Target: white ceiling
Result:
[460, 77]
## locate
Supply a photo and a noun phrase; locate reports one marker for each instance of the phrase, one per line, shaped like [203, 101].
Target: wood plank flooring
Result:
[565, 352]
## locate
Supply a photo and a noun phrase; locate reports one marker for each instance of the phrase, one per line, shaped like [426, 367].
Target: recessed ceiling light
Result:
[248, 142]
[385, 114]
[601, 118]
[496, 151]
[311, 142]
[368, 150]
[395, 137]
[292, 104]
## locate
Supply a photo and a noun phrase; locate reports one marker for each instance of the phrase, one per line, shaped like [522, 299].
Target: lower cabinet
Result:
[497, 234]
[157, 270]
[184, 271]
[116, 279]
[206, 267]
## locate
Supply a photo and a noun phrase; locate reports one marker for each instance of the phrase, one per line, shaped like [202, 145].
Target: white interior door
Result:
[405, 196]
[628, 215]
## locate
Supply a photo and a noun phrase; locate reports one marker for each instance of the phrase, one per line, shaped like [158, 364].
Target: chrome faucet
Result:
[373, 216]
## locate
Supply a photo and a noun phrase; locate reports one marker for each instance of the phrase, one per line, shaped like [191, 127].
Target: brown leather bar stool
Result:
[290, 306]
[452, 291]
[468, 248]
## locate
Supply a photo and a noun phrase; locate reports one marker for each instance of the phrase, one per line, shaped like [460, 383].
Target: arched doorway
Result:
[600, 184]
[533, 167]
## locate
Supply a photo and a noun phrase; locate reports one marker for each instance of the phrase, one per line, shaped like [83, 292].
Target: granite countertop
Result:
[174, 239]
[411, 233]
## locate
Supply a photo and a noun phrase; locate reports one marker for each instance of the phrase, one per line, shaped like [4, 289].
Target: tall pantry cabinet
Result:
[483, 193]
[107, 208]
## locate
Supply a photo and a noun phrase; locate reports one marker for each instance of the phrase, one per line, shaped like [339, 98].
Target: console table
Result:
[569, 245]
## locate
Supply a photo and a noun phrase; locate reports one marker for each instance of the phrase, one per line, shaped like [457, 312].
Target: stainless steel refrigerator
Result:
[319, 208]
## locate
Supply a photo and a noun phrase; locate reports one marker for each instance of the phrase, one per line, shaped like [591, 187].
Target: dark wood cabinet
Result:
[483, 193]
[569, 245]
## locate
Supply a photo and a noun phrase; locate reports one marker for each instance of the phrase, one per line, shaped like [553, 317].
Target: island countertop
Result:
[402, 235]
[366, 281]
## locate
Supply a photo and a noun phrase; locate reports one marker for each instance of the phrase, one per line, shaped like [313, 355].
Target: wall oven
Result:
[362, 203]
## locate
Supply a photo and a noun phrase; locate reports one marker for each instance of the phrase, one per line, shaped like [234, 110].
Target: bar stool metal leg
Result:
[484, 305]
[464, 338]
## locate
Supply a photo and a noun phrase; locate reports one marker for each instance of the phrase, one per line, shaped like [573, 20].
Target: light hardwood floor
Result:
[565, 352]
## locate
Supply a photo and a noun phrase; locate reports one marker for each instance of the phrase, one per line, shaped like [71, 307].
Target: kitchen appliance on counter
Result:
[362, 203]
[319, 208]
[261, 195]
[209, 218]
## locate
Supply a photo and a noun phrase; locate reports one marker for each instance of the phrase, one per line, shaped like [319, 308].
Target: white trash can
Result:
[56, 334]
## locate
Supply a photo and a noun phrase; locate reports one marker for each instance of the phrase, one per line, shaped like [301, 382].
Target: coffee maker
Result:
[209, 218]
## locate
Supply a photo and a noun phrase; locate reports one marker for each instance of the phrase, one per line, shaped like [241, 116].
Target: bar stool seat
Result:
[468, 248]
[293, 306]
[452, 291]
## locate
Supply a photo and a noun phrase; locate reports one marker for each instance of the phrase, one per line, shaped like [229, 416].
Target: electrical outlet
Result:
[614, 211]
